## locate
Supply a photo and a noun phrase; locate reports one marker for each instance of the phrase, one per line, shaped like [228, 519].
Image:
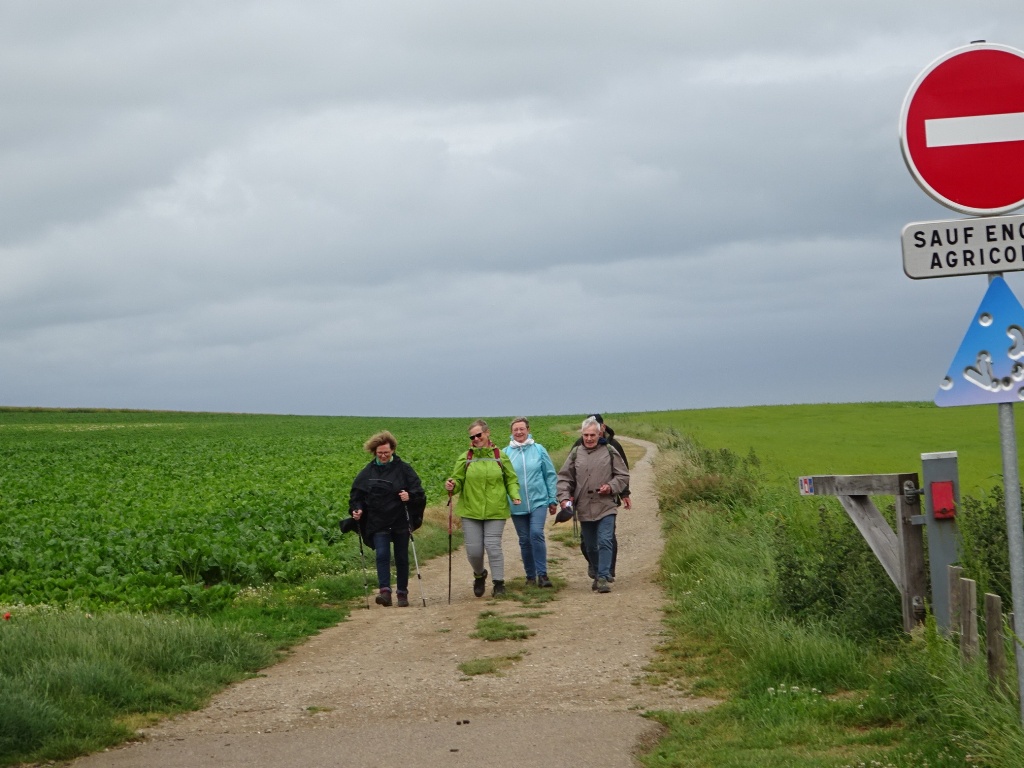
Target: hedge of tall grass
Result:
[779, 609]
[72, 680]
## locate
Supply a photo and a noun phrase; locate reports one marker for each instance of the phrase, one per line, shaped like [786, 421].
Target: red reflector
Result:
[943, 505]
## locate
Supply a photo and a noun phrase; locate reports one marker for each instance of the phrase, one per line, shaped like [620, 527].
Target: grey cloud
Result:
[423, 209]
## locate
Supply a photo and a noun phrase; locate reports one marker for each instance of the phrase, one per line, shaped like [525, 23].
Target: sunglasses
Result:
[477, 436]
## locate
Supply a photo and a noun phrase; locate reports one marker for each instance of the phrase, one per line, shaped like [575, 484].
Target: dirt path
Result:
[384, 688]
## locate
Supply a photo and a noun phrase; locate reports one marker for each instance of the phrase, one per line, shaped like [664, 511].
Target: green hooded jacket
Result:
[484, 484]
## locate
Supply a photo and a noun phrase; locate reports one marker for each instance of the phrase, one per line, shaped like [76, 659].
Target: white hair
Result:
[590, 421]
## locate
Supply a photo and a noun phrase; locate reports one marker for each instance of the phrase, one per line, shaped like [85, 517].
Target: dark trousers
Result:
[598, 536]
[382, 541]
[592, 559]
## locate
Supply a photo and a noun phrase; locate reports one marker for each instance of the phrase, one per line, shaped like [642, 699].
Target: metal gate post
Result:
[943, 536]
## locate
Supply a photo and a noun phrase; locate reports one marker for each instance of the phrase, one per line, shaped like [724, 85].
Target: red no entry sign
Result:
[962, 129]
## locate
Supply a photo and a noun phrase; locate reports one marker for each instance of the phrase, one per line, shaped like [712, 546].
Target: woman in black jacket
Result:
[386, 499]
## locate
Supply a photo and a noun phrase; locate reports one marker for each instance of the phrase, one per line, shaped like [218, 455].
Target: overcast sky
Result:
[463, 208]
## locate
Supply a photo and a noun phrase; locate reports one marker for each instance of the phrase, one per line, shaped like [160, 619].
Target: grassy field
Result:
[846, 439]
[777, 607]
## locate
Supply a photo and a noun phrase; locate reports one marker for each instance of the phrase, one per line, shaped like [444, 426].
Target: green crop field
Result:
[152, 510]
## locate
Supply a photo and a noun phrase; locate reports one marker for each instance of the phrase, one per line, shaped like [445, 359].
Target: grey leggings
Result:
[480, 536]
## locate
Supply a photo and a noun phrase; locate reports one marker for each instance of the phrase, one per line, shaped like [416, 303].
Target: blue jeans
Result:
[382, 541]
[532, 544]
[597, 537]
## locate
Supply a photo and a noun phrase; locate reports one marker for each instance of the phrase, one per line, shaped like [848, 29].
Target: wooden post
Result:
[911, 541]
[995, 645]
[954, 597]
[968, 618]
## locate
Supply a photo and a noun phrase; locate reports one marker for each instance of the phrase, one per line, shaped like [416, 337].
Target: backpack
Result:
[497, 456]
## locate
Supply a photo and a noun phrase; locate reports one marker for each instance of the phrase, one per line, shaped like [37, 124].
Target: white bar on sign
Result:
[974, 129]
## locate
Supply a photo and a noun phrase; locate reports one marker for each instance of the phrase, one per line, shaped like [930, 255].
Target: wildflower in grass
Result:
[7, 616]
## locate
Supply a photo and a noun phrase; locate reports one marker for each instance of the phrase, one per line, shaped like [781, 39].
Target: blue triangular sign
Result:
[989, 366]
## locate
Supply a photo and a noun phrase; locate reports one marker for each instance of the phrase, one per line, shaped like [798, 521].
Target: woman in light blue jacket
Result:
[537, 488]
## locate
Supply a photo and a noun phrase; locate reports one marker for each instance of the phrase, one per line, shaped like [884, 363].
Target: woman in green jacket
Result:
[484, 481]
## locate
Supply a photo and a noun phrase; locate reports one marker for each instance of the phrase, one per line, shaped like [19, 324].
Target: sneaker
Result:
[531, 582]
[499, 589]
[544, 581]
[592, 571]
[403, 599]
[601, 585]
[611, 579]
[593, 585]
[384, 598]
[479, 583]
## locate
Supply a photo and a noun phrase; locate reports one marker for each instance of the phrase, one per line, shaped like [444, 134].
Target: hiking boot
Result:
[403, 599]
[593, 585]
[499, 589]
[384, 598]
[543, 580]
[602, 585]
[592, 571]
[611, 579]
[531, 582]
[480, 583]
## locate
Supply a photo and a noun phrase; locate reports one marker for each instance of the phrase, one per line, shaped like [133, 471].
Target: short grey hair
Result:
[590, 421]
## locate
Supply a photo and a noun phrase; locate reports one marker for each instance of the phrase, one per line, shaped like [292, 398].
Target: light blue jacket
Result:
[538, 479]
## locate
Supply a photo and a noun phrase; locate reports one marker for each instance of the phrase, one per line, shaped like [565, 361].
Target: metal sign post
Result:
[962, 136]
[1015, 534]
[988, 369]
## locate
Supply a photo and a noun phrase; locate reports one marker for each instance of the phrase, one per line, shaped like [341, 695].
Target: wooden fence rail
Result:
[900, 551]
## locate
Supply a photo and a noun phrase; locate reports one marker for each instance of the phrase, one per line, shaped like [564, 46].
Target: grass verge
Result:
[797, 692]
[75, 682]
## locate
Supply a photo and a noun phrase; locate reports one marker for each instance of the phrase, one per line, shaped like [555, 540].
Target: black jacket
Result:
[375, 491]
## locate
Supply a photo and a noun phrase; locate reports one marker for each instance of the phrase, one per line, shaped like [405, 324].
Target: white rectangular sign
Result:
[963, 246]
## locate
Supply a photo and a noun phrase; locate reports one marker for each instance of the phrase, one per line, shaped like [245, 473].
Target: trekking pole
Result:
[412, 540]
[349, 524]
[449, 547]
[362, 559]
